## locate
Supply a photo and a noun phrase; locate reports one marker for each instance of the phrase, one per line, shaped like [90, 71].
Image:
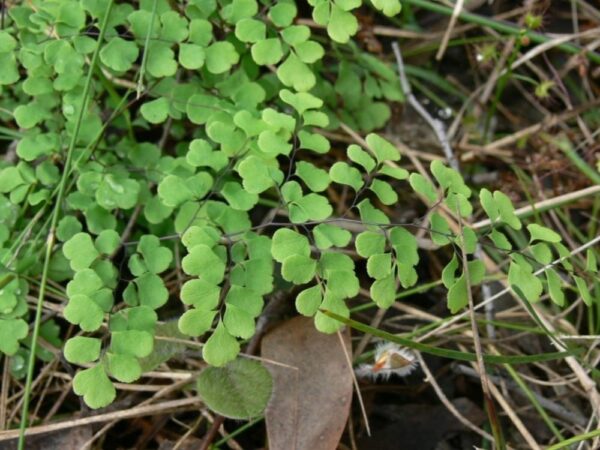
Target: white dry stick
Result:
[539, 49]
[547, 122]
[429, 378]
[519, 425]
[556, 408]
[139, 411]
[457, 9]
[436, 125]
[358, 394]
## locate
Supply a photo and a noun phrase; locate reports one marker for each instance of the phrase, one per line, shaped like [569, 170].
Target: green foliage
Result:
[388, 7]
[239, 390]
[81, 350]
[11, 332]
[95, 387]
[119, 54]
[235, 98]
[337, 15]
[540, 233]
[221, 347]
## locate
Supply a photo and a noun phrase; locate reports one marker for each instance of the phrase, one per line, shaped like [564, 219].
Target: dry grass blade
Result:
[430, 378]
[167, 407]
[457, 9]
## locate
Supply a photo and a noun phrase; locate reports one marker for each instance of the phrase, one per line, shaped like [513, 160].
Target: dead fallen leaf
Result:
[310, 405]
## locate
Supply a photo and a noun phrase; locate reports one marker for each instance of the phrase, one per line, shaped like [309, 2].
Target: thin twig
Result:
[447, 403]
[497, 72]
[554, 42]
[514, 418]
[188, 433]
[457, 9]
[140, 411]
[113, 420]
[355, 382]
[4, 393]
[128, 229]
[485, 381]
[548, 122]
[588, 384]
[212, 432]
[364, 341]
[436, 125]
[545, 205]
[556, 408]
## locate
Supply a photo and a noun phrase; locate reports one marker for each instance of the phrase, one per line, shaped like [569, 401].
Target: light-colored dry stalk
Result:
[546, 204]
[485, 381]
[510, 412]
[541, 48]
[139, 411]
[363, 410]
[430, 378]
[4, 392]
[548, 122]
[113, 420]
[556, 408]
[188, 433]
[366, 338]
[457, 9]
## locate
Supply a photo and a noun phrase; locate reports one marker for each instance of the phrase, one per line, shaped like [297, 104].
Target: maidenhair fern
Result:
[235, 97]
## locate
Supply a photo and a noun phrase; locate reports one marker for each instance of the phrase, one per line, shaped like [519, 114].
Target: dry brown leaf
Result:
[310, 405]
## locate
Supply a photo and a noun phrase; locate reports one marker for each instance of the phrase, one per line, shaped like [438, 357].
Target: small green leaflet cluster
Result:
[233, 96]
[337, 15]
[526, 263]
[13, 306]
[91, 300]
[13, 288]
[228, 279]
[367, 87]
[543, 248]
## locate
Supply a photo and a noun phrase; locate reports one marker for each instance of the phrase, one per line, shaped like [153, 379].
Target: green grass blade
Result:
[575, 439]
[444, 352]
[51, 234]
[534, 401]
